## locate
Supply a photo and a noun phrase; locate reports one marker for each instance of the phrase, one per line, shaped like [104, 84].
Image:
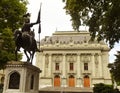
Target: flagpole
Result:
[39, 19]
[39, 40]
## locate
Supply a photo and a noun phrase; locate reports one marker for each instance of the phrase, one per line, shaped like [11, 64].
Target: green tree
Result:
[102, 17]
[103, 88]
[115, 68]
[11, 18]
[7, 48]
[11, 12]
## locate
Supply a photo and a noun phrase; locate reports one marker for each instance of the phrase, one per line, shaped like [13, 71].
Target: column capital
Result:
[78, 54]
[92, 54]
[50, 54]
[44, 54]
[63, 54]
[99, 54]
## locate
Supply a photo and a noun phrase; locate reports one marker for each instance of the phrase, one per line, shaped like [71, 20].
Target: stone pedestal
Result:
[21, 77]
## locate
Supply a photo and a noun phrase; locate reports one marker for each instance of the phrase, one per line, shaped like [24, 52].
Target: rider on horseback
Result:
[26, 29]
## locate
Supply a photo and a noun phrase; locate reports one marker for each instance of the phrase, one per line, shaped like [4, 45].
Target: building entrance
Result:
[57, 81]
[71, 81]
[86, 81]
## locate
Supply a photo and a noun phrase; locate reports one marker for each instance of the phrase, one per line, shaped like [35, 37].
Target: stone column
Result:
[43, 68]
[100, 65]
[64, 66]
[50, 65]
[93, 65]
[78, 66]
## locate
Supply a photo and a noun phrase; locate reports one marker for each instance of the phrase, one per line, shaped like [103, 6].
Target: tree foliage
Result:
[103, 88]
[11, 18]
[7, 47]
[102, 17]
[11, 12]
[115, 68]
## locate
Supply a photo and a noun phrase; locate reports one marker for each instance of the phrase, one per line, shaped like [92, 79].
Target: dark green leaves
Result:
[11, 18]
[102, 17]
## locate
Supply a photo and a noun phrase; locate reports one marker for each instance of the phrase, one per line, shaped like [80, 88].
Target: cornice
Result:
[16, 64]
[70, 32]
[76, 47]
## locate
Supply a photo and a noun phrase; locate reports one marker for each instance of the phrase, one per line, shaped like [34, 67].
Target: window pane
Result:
[57, 66]
[85, 66]
[71, 66]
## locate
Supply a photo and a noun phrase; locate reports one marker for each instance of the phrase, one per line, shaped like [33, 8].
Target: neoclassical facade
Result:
[70, 59]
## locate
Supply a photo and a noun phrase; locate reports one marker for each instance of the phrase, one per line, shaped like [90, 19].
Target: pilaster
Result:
[43, 68]
[93, 64]
[50, 64]
[78, 66]
[100, 65]
[64, 65]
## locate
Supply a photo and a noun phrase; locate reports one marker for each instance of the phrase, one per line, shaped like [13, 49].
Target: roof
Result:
[65, 37]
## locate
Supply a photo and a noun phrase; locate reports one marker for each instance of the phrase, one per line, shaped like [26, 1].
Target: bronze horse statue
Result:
[27, 42]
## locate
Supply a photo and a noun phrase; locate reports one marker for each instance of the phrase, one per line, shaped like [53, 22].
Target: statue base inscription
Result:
[21, 77]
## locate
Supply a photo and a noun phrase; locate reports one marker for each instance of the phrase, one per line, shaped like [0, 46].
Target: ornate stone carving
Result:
[86, 58]
[57, 58]
[46, 60]
[96, 61]
[71, 58]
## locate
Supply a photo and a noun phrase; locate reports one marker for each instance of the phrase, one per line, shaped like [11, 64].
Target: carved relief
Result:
[85, 58]
[85, 39]
[71, 58]
[96, 65]
[57, 58]
[57, 40]
[46, 64]
[71, 40]
[96, 61]
[46, 60]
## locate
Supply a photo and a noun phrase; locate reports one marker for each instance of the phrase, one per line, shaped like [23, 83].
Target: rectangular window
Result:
[85, 66]
[56, 66]
[71, 66]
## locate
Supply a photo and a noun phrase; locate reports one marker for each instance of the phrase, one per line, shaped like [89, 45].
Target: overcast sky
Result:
[54, 18]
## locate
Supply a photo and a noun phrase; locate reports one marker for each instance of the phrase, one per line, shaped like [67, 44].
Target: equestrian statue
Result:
[25, 39]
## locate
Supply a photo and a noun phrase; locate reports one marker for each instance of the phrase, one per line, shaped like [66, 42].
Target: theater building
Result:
[71, 59]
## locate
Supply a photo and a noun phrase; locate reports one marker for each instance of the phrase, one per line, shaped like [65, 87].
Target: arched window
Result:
[32, 82]
[57, 66]
[14, 81]
[71, 67]
[85, 66]
[2, 80]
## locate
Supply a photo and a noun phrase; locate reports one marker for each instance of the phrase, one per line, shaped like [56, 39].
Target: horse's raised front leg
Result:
[28, 58]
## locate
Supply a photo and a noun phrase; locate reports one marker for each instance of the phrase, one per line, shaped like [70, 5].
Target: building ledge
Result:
[66, 89]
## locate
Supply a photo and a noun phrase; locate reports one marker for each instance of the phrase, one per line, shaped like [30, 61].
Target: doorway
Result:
[86, 81]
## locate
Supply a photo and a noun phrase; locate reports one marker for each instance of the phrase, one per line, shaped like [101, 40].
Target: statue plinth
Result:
[21, 77]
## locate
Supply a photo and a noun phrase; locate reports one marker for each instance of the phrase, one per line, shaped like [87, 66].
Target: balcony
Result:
[86, 72]
[71, 72]
[57, 72]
